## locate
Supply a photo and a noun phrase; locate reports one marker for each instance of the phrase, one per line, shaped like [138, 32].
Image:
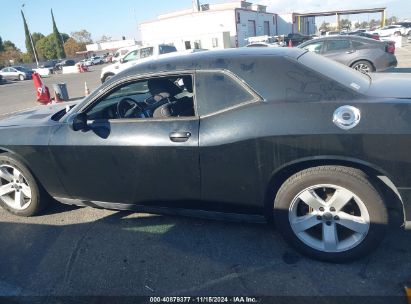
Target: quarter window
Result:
[217, 91]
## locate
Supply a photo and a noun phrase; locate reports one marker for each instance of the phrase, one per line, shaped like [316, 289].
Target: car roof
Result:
[214, 59]
[350, 37]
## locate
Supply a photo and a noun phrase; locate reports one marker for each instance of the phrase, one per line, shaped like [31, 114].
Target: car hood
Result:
[395, 85]
[41, 115]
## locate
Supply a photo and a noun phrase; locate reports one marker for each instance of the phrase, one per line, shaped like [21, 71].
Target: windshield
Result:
[344, 75]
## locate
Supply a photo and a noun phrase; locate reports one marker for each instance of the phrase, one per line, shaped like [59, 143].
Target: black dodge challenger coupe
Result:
[280, 134]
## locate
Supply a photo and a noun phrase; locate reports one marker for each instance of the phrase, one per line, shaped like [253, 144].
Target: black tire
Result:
[354, 181]
[39, 198]
[106, 77]
[21, 77]
[397, 34]
[363, 66]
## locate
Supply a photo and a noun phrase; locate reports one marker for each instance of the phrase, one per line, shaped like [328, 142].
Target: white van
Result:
[136, 55]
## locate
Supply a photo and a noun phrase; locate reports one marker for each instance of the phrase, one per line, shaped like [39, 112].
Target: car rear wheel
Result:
[21, 77]
[106, 77]
[397, 34]
[331, 213]
[363, 66]
[19, 192]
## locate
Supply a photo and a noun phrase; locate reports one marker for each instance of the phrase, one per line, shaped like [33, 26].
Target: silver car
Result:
[16, 73]
[363, 54]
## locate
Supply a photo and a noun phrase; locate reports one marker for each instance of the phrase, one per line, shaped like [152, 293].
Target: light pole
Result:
[31, 39]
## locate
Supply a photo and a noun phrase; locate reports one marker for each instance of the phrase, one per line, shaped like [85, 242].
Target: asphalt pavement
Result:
[84, 251]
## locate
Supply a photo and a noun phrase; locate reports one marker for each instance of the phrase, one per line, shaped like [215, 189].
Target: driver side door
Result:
[128, 160]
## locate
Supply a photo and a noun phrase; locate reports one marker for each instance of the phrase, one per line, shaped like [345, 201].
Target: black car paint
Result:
[235, 156]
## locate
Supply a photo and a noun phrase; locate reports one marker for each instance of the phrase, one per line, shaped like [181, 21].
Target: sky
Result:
[121, 18]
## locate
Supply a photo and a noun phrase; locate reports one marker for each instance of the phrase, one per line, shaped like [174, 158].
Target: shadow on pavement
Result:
[126, 254]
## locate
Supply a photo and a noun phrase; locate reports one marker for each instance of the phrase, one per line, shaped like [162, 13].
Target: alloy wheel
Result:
[15, 191]
[329, 218]
[363, 68]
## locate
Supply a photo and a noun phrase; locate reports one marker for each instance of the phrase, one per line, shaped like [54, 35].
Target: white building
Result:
[210, 26]
[291, 23]
[109, 45]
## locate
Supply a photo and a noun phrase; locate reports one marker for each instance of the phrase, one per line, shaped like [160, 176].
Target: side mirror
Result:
[79, 122]
[122, 60]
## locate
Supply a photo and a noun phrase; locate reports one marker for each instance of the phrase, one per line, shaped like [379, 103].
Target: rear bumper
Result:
[386, 62]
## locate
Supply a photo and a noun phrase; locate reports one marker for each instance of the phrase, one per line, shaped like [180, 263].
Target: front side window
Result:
[218, 91]
[156, 97]
[315, 47]
[132, 56]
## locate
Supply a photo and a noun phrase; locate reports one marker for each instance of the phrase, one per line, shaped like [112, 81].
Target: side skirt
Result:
[203, 214]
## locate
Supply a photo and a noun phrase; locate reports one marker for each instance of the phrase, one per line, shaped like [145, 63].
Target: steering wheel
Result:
[129, 108]
[152, 104]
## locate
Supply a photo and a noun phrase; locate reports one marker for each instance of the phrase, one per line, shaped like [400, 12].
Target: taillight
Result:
[376, 36]
[390, 48]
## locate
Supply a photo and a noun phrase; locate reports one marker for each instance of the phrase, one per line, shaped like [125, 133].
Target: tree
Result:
[373, 24]
[29, 46]
[1, 45]
[36, 37]
[58, 39]
[72, 46]
[46, 47]
[345, 24]
[391, 20]
[325, 27]
[10, 53]
[65, 37]
[104, 38]
[82, 36]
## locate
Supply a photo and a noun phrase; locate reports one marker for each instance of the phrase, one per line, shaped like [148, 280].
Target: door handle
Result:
[180, 136]
[350, 52]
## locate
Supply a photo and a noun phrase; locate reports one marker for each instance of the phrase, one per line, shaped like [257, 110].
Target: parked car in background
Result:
[63, 63]
[407, 26]
[174, 135]
[363, 54]
[391, 30]
[365, 34]
[136, 55]
[51, 65]
[263, 44]
[296, 39]
[16, 73]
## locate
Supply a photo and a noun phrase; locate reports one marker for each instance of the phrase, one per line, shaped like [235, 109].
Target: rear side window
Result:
[357, 45]
[335, 45]
[218, 91]
[164, 49]
[146, 52]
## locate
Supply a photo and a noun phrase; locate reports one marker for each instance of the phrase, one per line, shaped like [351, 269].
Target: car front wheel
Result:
[331, 213]
[21, 77]
[19, 192]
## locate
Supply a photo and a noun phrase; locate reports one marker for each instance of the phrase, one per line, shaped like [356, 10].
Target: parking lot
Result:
[85, 251]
